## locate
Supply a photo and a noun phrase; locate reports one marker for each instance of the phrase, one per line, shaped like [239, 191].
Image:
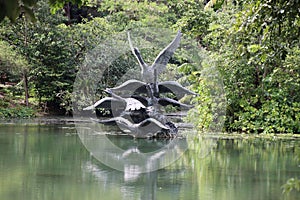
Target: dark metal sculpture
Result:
[149, 73]
[136, 105]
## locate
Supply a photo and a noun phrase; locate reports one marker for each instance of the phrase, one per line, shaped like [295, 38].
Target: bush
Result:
[17, 112]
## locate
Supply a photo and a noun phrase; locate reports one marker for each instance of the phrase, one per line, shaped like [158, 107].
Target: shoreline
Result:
[61, 120]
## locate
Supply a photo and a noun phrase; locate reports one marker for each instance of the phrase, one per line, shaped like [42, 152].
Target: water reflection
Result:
[161, 184]
[49, 162]
[126, 154]
[138, 186]
[246, 168]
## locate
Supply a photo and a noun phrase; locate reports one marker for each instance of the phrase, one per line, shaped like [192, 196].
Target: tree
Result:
[54, 50]
[48, 50]
[257, 48]
[14, 8]
[12, 64]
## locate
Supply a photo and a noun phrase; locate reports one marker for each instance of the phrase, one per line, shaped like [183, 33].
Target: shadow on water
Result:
[50, 162]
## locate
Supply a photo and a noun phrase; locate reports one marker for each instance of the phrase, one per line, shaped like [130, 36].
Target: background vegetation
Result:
[253, 44]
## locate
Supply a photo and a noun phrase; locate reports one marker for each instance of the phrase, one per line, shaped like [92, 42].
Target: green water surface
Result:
[41, 162]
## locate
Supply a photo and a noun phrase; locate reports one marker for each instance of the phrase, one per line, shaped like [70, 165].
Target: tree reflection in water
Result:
[49, 162]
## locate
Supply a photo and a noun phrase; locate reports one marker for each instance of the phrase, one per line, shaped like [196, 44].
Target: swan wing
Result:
[167, 101]
[111, 121]
[164, 56]
[132, 86]
[151, 126]
[114, 120]
[175, 88]
[137, 53]
[107, 103]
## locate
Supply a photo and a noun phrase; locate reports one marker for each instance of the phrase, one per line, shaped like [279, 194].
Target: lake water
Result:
[41, 162]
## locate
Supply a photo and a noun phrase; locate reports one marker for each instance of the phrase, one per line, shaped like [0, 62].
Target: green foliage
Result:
[48, 50]
[201, 114]
[14, 67]
[11, 104]
[13, 8]
[271, 43]
[56, 5]
[3, 103]
[194, 20]
[55, 70]
[12, 64]
[126, 13]
[253, 44]
[208, 113]
[256, 49]
[17, 112]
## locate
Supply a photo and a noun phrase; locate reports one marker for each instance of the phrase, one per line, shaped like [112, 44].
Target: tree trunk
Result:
[67, 9]
[25, 79]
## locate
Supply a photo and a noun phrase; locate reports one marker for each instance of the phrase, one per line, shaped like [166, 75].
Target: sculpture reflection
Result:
[122, 153]
[133, 173]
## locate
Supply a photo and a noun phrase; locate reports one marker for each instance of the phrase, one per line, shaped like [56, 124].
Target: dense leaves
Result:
[48, 53]
[252, 46]
[13, 8]
[256, 49]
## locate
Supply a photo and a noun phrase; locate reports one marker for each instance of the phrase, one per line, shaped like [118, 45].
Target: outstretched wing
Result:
[106, 103]
[111, 121]
[137, 54]
[116, 120]
[151, 126]
[164, 56]
[175, 88]
[168, 101]
[131, 86]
